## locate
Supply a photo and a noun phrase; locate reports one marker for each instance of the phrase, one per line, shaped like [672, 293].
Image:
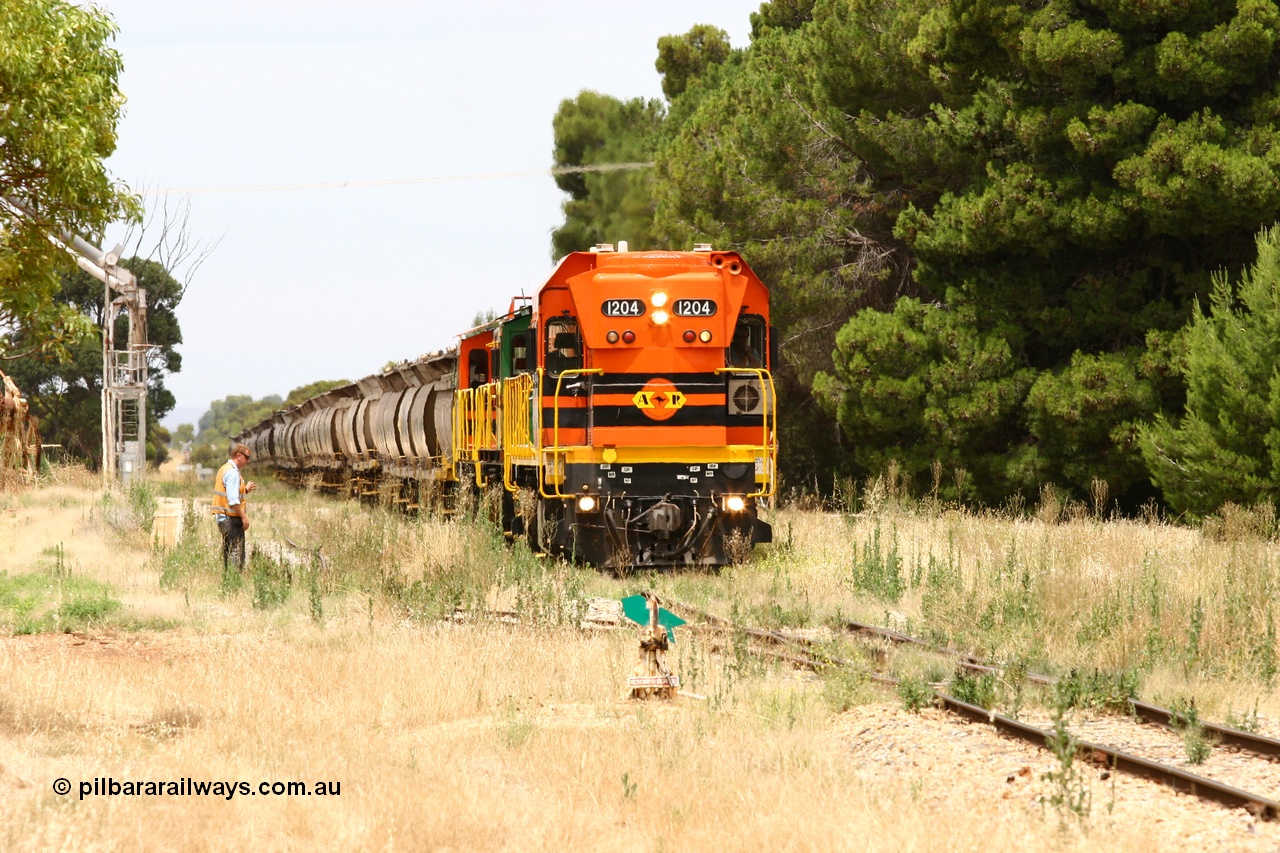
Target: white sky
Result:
[333, 283]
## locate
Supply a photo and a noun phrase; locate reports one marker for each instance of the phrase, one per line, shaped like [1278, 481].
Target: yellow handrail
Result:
[521, 436]
[486, 414]
[462, 443]
[769, 437]
[461, 446]
[555, 449]
[474, 413]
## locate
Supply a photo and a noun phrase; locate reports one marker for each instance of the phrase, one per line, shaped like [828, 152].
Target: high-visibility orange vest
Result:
[220, 505]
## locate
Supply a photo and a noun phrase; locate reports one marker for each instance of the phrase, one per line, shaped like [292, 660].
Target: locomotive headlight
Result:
[735, 503]
[660, 318]
[586, 503]
[658, 299]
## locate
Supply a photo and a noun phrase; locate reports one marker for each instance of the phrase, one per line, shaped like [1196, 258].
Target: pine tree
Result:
[1227, 445]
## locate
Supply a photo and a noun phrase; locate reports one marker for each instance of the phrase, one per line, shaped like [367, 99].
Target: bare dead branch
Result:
[173, 247]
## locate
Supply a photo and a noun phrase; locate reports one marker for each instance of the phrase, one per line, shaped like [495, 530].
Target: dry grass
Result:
[1192, 612]
[334, 664]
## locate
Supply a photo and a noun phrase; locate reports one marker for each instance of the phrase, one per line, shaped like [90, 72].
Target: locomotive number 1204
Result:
[622, 308]
[695, 307]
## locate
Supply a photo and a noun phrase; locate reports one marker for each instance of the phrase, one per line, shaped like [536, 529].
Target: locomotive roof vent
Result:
[702, 247]
[602, 247]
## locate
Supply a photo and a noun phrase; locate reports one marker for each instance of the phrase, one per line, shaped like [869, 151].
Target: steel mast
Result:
[125, 367]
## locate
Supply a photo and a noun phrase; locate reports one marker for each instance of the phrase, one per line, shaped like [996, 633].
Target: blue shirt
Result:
[231, 483]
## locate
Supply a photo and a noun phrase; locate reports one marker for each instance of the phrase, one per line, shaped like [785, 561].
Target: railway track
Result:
[1225, 735]
[807, 653]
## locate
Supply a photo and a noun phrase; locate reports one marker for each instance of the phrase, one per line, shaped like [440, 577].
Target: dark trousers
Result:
[232, 528]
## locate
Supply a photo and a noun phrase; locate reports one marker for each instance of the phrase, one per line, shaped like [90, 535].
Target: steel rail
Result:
[1118, 760]
[725, 625]
[1225, 735]
[1232, 738]
[967, 660]
[815, 663]
[1180, 780]
[1176, 778]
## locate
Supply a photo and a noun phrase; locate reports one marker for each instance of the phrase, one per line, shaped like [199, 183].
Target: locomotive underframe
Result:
[647, 515]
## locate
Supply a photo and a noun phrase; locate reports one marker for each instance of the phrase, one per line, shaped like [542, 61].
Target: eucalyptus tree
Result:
[60, 103]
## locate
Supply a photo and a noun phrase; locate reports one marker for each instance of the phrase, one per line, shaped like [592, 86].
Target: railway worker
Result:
[741, 352]
[230, 505]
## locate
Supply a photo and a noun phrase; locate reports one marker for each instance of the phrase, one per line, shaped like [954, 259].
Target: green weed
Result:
[55, 561]
[189, 561]
[915, 693]
[143, 504]
[87, 611]
[1070, 792]
[1110, 690]
[1195, 631]
[1264, 653]
[1186, 720]
[781, 708]
[843, 689]
[315, 600]
[272, 581]
[877, 568]
[1245, 722]
[979, 689]
[514, 727]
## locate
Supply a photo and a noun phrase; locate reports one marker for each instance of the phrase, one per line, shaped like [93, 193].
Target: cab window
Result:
[563, 345]
[477, 368]
[520, 354]
[747, 347]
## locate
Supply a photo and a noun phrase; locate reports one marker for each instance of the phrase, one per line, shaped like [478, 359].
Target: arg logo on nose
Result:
[659, 399]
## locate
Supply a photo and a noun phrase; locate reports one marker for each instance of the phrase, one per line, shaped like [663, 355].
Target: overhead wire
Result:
[392, 182]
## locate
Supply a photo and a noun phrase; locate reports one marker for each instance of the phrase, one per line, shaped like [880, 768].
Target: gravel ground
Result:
[950, 764]
[1241, 769]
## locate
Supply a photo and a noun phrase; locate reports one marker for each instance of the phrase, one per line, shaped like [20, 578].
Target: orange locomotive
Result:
[628, 414]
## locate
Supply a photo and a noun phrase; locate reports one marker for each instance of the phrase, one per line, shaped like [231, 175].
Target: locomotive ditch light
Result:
[628, 337]
[586, 503]
[705, 336]
[612, 337]
[658, 299]
[660, 318]
[735, 503]
[689, 336]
